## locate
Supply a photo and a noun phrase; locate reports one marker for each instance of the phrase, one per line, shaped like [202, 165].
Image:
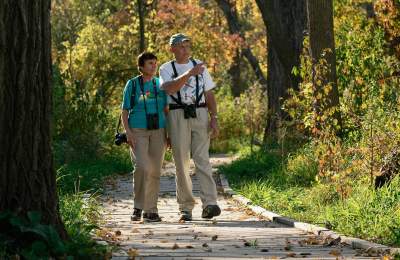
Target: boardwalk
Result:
[236, 234]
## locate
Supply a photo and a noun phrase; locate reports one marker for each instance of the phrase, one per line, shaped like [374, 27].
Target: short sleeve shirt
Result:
[188, 91]
[137, 112]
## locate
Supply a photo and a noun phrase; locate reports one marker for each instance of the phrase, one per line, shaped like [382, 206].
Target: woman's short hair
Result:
[141, 59]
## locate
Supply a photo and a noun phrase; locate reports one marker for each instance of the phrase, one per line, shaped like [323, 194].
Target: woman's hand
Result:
[131, 139]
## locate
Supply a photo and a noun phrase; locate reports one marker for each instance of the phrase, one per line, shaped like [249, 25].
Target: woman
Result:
[143, 117]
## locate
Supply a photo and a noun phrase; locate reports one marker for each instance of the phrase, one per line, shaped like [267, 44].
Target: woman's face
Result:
[149, 68]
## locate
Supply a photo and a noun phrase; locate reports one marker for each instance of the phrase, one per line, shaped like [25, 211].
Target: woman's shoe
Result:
[186, 215]
[136, 215]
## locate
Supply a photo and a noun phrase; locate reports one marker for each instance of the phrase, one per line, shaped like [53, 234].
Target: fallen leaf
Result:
[230, 209]
[291, 254]
[133, 252]
[181, 221]
[164, 241]
[195, 236]
[175, 246]
[189, 246]
[214, 238]
[305, 253]
[204, 245]
[264, 250]
[214, 222]
[118, 233]
[135, 230]
[335, 252]
[332, 242]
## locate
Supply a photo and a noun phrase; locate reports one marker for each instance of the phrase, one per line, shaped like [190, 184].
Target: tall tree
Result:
[27, 179]
[322, 47]
[286, 23]
[235, 27]
[141, 5]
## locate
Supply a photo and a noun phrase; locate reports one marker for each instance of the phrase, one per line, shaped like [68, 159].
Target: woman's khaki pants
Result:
[149, 156]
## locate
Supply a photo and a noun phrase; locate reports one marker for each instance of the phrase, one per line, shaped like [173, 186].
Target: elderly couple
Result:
[182, 101]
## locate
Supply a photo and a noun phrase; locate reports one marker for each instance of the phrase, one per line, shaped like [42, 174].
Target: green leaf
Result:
[34, 217]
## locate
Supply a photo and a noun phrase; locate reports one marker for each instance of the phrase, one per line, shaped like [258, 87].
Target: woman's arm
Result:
[129, 133]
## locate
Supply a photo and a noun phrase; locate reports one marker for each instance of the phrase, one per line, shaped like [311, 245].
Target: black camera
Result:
[120, 138]
[189, 111]
[152, 121]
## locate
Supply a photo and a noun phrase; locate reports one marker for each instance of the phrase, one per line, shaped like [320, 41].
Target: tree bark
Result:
[322, 46]
[27, 179]
[141, 11]
[286, 23]
[235, 27]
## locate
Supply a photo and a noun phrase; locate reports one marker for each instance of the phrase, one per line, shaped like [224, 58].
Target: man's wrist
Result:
[214, 115]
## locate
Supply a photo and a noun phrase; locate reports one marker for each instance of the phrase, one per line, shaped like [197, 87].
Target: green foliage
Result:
[81, 215]
[30, 239]
[85, 175]
[39, 240]
[239, 126]
[289, 188]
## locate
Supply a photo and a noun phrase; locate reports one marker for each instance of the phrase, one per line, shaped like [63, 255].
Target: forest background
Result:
[303, 153]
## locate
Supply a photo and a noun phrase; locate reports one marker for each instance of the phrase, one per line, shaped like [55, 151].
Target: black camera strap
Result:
[179, 99]
[119, 124]
[141, 83]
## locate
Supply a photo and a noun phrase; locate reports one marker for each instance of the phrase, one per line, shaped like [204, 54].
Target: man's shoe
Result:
[211, 211]
[186, 215]
[136, 215]
[151, 217]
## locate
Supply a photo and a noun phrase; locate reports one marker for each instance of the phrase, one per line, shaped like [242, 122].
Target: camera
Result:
[120, 138]
[189, 111]
[152, 121]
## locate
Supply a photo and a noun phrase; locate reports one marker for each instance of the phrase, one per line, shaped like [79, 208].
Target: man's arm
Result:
[173, 86]
[212, 109]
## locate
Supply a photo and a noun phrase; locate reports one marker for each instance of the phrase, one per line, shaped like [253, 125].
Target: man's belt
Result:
[177, 106]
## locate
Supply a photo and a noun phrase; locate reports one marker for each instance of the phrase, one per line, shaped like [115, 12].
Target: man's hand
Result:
[214, 127]
[131, 139]
[196, 70]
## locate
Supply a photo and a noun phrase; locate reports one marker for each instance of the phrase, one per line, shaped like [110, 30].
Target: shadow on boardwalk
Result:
[236, 233]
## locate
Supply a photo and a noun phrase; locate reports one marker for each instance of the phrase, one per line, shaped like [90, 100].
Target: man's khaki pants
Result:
[149, 156]
[191, 136]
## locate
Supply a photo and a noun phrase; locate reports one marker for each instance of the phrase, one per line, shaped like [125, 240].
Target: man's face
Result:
[149, 67]
[182, 50]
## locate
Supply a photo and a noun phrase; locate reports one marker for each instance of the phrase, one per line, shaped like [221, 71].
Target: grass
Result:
[79, 184]
[288, 186]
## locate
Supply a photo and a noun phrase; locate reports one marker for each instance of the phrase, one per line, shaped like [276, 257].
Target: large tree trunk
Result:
[322, 45]
[235, 27]
[286, 23]
[27, 177]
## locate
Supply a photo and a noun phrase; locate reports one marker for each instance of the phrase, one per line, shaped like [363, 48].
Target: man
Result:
[189, 86]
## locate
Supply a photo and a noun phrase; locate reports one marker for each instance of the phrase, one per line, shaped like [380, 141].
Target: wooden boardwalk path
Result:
[236, 234]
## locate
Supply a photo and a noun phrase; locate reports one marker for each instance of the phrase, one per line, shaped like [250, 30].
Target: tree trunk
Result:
[286, 23]
[141, 12]
[235, 71]
[234, 25]
[322, 45]
[27, 179]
